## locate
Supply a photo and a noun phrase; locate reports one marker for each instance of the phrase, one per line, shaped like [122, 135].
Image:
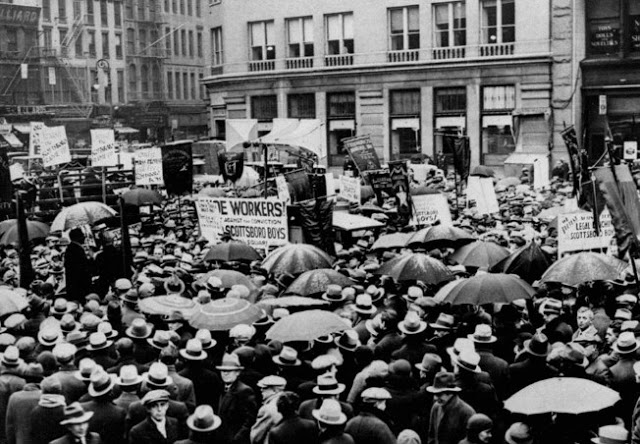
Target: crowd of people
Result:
[84, 364]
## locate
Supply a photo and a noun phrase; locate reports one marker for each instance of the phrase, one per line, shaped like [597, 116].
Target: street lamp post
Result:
[103, 64]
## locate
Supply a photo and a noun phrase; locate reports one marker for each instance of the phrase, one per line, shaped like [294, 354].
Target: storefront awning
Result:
[303, 133]
[12, 140]
[352, 222]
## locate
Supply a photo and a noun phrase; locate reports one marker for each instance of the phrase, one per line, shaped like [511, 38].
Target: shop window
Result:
[105, 45]
[264, 108]
[120, 86]
[46, 10]
[103, 14]
[405, 123]
[118, 46]
[167, 41]
[341, 115]
[404, 28]
[117, 14]
[144, 81]
[450, 109]
[169, 85]
[133, 81]
[604, 26]
[131, 42]
[301, 106]
[498, 103]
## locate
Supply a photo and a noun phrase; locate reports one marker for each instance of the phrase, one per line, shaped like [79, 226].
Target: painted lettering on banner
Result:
[577, 233]
[429, 209]
[350, 189]
[103, 147]
[148, 166]
[54, 146]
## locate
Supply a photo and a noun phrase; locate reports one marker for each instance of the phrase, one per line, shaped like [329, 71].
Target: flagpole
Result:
[455, 174]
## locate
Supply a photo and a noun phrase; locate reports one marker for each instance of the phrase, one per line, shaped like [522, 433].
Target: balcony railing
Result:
[299, 63]
[426, 56]
[411, 55]
[453, 52]
[338, 60]
[262, 65]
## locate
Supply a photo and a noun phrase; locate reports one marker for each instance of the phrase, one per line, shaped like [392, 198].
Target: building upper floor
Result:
[613, 29]
[281, 35]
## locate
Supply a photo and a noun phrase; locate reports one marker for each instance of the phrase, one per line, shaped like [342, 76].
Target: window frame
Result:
[302, 44]
[500, 26]
[406, 33]
[451, 30]
[265, 26]
[342, 40]
[217, 49]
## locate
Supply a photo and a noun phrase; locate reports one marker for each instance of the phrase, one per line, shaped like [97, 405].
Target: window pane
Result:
[295, 33]
[341, 104]
[269, 36]
[414, 19]
[508, 12]
[348, 26]
[333, 27]
[257, 34]
[405, 102]
[308, 30]
[302, 106]
[264, 107]
[396, 20]
[442, 15]
[450, 100]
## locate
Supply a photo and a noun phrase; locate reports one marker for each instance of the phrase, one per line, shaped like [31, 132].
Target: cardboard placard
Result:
[35, 137]
[480, 190]
[261, 223]
[362, 153]
[177, 168]
[283, 188]
[350, 189]
[576, 232]
[103, 147]
[429, 209]
[630, 150]
[540, 174]
[148, 167]
[54, 146]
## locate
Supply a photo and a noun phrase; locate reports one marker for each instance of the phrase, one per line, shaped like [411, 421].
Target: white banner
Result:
[540, 173]
[35, 137]
[431, 208]
[283, 188]
[350, 189]
[480, 190]
[330, 184]
[54, 146]
[576, 232]
[260, 223]
[148, 167]
[103, 147]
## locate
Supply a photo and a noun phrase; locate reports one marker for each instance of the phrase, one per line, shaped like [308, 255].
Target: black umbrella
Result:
[528, 262]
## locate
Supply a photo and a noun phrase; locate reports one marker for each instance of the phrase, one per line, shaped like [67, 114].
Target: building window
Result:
[105, 45]
[117, 14]
[190, 43]
[198, 8]
[169, 85]
[341, 115]
[178, 86]
[46, 38]
[300, 37]
[449, 24]
[262, 47]
[131, 42]
[92, 43]
[133, 82]
[63, 36]
[12, 39]
[79, 46]
[89, 18]
[183, 41]
[142, 9]
[185, 86]
[182, 9]
[120, 86]
[498, 103]
[77, 10]
[174, 6]
[216, 46]
[264, 108]
[176, 43]
[405, 123]
[104, 21]
[199, 43]
[144, 81]
[301, 106]
[189, 7]
[167, 6]
[62, 11]
[404, 28]
[118, 45]
[167, 41]
[128, 9]
[155, 47]
[604, 26]
[450, 110]
[498, 21]
[157, 80]
[142, 37]
[203, 89]
[192, 78]
[46, 10]
[339, 33]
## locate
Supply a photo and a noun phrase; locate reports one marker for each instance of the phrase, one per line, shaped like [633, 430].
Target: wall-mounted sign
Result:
[605, 36]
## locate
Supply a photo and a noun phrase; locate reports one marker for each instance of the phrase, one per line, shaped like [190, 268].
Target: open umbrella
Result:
[167, 305]
[232, 251]
[391, 241]
[584, 267]
[441, 236]
[296, 259]
[292, 301]
[528, 262]
[416, 266]
[315, 282]
[84, 213]
[485, 288]
[482, 171]
[306, 326]
[142, 196]
[223, 314]
[562, 395]
[11, 301]
[480, 254]
[9, 231]
[229, 278]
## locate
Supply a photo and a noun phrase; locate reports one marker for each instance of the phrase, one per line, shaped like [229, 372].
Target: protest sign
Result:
[6, 187]
[35, 137]
[630, 150]
[261, 223]
[54, 146]
[177, 167]
[103, 147]
[231, 165]
[480, 190]
[400, 184]
[350, 189]
[362, 152]
[540, 173]
[148, 167]
[283, 188]
[577, 233]
[429, 209]
[330, 184]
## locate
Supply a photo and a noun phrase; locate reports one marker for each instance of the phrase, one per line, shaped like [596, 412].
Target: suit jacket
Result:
[77, 271]
[528, 371]
[185, 391]
[498, 369]
[45, 424]
[207, 385]
[294, 429]
[9, 384]
[138, 413]
[448, 423]
[147, 433]
[335, 437]
[368, 428]
[72, 387]
[238, 410]
[107, 420]
[125, 400]
[622, 379]
[92, 438]
[19, 409]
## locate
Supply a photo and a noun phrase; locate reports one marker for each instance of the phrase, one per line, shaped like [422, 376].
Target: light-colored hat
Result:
[203, 419]
[160, 339]
[11, 357]
[272, 381]
[193, 351]
[230, 361]
[375, 394]
[413, 293]
[483, 334]
[128, 376]
[412, 324]
[139, 329]
[626, 343]
[611, 434]
[75, 414]
[242, 332]
[327, 384]
[85, 369]
[349, 340]
[518, 433]
[101, 382]
[468, 360]
[288, 357]
[333, 293]
[330, 412]
[364, 304]
[204, 336]
[158, 375]
[49, 336]
[64, 352]
[98, 341]
[123, 284]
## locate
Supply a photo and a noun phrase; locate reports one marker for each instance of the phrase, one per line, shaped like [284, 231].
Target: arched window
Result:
[133, 81]
[156, 80]
[144, 81]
